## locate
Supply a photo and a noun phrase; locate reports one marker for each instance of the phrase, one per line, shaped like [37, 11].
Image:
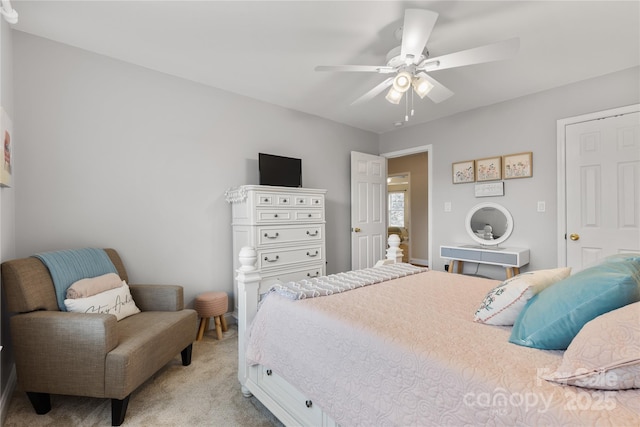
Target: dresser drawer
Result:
[277, 235]
[301, 408]
[289, 215]
[271, 199]
[292, 274]
[271, 215]
[277, 258]
[309, 201]
[308, 272]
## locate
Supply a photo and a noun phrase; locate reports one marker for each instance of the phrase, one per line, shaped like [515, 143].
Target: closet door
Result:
[602, 188]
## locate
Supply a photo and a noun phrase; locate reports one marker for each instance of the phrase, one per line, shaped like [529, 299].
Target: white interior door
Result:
[602, 188]
[368, 209]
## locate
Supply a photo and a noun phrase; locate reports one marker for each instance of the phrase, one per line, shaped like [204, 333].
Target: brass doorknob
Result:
[574, 236]
[357, 230]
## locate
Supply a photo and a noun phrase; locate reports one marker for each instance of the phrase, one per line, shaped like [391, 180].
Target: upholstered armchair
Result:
[91, 354]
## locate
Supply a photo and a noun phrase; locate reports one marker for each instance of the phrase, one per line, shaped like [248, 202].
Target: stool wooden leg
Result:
[224, 323]
[201, 328]
[218, 327]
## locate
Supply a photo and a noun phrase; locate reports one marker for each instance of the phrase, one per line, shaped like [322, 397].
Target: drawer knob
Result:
[309, 254]
[275, 215]
[310, 215]
[272, 260]
[269, 372]
[315, 275]
[284, 200]
[271, 237]
[308, 403]
[266, 200]
[315, 233]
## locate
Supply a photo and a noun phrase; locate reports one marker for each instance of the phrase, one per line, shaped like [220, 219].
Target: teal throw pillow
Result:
[552, 318]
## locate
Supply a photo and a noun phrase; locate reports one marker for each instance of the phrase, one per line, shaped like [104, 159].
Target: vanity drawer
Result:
[500, 258]
[301, 408]
[456, 253]
[276, 258]
[275, 235]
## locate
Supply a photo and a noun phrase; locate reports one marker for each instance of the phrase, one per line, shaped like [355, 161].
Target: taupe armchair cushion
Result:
[91, 354]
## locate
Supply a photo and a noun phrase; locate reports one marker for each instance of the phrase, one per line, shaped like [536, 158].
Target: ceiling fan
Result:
[410, 62]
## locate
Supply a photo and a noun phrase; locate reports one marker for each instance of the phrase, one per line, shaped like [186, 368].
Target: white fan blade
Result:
[491, 52]
[374, 92]
[383, 69]
[439, 92]
[418, 24]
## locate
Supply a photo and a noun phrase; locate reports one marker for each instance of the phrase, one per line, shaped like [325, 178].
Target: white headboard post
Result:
[394, 252]
[248, 297]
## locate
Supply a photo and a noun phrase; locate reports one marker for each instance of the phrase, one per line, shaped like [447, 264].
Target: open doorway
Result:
[415, 165]
[399, 209]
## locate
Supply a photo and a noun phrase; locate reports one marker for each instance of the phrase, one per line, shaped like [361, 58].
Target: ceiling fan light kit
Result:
[421, 86]
[402, 81]
[411, 61]
[394, 96]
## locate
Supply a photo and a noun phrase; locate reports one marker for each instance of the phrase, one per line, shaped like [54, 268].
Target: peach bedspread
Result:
[408, 353]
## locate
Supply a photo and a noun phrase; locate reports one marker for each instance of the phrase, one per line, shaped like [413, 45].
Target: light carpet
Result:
[205, 393]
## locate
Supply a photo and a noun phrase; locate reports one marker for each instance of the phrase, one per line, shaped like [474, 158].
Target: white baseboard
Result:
[418, 261]
[7, 393]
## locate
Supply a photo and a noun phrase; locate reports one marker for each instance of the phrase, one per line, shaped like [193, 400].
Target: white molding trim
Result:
[416, 150]
[561, 168]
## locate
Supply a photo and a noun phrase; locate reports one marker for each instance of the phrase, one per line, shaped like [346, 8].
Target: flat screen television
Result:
[279, 170]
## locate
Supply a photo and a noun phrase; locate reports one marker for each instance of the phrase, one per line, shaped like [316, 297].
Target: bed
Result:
[406, 352]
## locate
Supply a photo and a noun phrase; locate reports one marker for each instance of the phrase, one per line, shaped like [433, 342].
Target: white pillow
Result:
[605, 354]
[503, 304]
[116, 301]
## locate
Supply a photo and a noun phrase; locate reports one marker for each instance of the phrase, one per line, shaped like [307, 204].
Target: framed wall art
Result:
[464, 172]
[518, 165]
[489, 169]
[6, 132]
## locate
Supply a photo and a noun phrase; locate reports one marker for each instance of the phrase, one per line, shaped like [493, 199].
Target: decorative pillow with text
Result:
[116, 301]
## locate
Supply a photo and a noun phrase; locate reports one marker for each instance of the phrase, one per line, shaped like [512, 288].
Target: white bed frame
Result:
[282, 399]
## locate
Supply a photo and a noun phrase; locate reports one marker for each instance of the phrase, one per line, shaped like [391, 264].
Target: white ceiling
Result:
[268, 50]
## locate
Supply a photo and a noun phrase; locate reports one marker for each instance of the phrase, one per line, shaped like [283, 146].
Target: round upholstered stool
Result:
[212, 304]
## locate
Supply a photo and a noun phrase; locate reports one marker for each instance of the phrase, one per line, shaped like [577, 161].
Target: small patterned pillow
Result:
[116, 301]
[605, 354]
[503, 304]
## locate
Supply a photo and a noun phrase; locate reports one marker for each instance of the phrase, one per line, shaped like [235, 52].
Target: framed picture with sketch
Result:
[464, 172]
[518, 165]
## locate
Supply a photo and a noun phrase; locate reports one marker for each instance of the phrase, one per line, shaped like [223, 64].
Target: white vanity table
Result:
[489, 225]
[509, 258]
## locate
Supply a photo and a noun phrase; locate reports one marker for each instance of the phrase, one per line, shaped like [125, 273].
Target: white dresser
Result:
[285, 225]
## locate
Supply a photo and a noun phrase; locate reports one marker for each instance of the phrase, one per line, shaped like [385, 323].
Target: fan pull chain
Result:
[406, 108]
[412, 110]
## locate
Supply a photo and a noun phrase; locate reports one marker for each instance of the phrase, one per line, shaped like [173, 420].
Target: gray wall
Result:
[523, 124]
[115, 155]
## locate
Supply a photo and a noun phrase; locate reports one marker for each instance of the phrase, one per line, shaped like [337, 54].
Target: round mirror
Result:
[489, 223]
